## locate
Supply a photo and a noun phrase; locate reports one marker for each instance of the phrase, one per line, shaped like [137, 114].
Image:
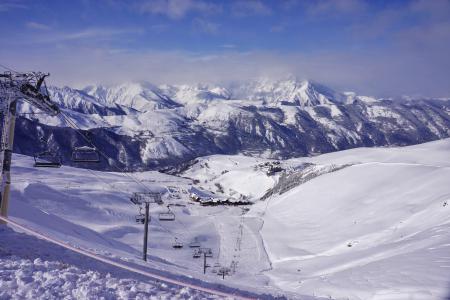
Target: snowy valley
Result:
[365, 223]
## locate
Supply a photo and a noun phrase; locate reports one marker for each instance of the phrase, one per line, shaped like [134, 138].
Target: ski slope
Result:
[91, 210]
[52, 272]
[367, 223]
[19, 282]
[375, 230]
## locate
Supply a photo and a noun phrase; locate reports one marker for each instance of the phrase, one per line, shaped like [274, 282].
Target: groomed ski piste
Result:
[366, 223]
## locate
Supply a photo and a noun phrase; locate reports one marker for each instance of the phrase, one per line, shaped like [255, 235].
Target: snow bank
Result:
[43, 279]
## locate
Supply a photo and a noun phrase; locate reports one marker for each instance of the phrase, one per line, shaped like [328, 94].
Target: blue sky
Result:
[374, 47]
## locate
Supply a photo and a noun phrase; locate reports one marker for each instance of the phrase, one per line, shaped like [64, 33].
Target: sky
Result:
[379, 47]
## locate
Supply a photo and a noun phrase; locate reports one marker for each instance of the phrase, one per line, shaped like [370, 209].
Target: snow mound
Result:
[42, 279]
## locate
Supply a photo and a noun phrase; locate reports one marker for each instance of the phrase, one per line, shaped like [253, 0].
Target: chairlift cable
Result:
[78, 130]
[9, 69]
[31, 113]
[101, 179]
[175, 235]
[87, 140]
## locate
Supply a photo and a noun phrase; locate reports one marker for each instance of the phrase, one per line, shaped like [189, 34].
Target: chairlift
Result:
[216, 267]
[223, 271]
[177, 244]
[166, 216]
[85, 154]
[140, 218]
[139, 198]
[194, 244]
[206, 251]
[197, 254]
[47, 160]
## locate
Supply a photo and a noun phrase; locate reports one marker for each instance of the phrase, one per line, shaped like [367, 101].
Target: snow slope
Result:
[218, 172]
[367, 223]
[374, 230]
[91, 210]
[53, 272]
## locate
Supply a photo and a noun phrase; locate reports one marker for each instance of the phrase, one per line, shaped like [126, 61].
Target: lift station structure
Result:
[15, 86]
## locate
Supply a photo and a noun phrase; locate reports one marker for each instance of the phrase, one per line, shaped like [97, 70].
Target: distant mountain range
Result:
[143, 126]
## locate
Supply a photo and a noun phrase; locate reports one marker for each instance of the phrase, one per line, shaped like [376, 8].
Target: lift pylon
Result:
[14, 86]
[143, 199]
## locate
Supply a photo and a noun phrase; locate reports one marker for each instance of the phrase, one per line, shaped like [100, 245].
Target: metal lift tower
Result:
[29, 87]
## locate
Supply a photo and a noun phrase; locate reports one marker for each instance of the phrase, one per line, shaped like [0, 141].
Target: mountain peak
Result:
[139, 95]
[287, 91]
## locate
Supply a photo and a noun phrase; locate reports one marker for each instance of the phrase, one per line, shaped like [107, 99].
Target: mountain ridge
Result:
[171, 124]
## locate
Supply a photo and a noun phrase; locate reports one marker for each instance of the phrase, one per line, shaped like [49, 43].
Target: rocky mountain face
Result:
[140, 126]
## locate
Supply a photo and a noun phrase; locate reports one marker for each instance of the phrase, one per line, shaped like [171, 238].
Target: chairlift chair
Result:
[85, 154]
[177, 244]
[166, 216]
[223, 271]
[207, 252]
[140, 218]
[139, 198]
[47, 160]
[197, 254]
[194, 244]
[216, 267]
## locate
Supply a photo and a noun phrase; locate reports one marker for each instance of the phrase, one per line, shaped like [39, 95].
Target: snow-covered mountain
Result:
[140, 96]
[145, 126]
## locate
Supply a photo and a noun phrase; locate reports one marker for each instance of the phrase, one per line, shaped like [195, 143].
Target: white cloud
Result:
[7, 5]
[204, 26]
[242, 8]
[228, 46]
[158, 28]
[412, 57]
[278, 28]
[330, 7]
[177, 9]
[436, 9]
[88, 34]
[94, 33]
[37, 26]
[380, 73]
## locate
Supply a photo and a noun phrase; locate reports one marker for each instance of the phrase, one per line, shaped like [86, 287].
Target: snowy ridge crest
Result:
[148, 126]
